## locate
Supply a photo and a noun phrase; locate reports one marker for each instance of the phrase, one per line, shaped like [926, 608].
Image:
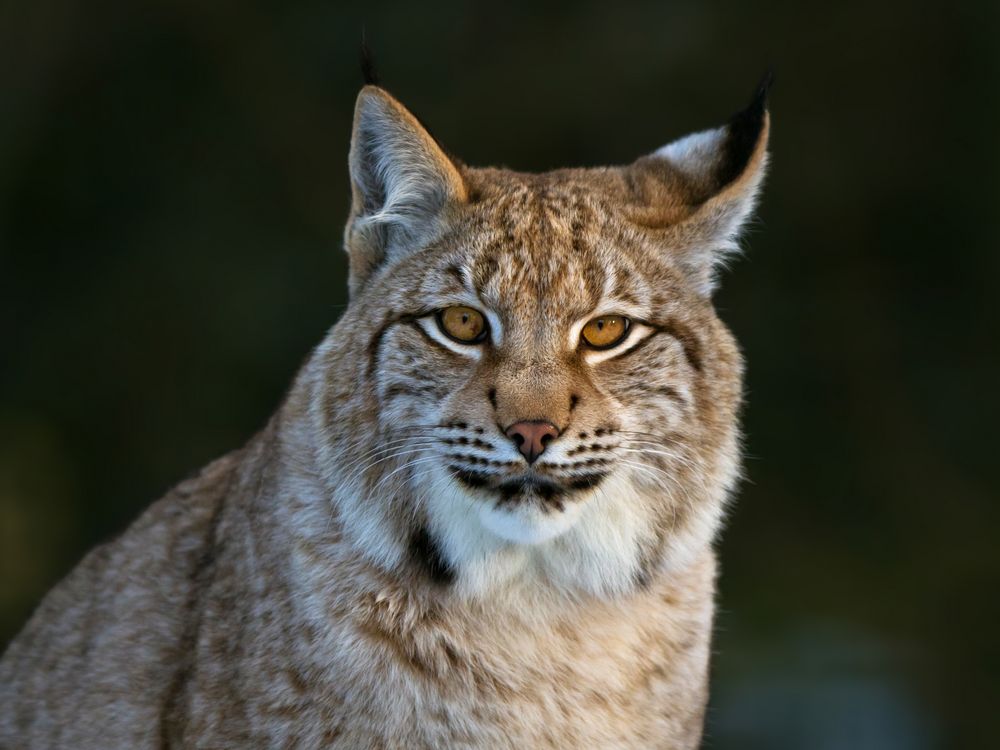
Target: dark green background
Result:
[172, 191]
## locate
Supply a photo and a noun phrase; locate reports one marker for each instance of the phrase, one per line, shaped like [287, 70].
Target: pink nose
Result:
[532, 437]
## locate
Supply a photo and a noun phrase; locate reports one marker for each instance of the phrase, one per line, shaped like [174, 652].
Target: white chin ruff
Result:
[527, 523]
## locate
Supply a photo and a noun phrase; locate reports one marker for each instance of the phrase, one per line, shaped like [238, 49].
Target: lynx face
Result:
[528, 420]
[542, 383]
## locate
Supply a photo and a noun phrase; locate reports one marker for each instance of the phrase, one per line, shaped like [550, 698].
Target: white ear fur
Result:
[722, 170]
[401, 183]
[694, 154]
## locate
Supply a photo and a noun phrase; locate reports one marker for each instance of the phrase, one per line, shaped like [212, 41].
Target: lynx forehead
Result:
[483, 516]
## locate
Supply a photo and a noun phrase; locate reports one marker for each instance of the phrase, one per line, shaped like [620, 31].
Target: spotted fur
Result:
[380, 567]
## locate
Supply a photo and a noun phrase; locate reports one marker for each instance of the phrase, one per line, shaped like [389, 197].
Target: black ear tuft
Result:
[368, 72]
[763, 89]
[743, 133]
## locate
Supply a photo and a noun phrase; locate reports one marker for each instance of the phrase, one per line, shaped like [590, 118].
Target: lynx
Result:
[483, 515]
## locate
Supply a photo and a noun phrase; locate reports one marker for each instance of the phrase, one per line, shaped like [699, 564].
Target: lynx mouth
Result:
[551, 494]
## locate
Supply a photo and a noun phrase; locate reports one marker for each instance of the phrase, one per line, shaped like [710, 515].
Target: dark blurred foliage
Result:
[172, 191]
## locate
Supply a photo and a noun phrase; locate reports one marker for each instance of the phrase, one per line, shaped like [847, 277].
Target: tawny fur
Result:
[336, 584]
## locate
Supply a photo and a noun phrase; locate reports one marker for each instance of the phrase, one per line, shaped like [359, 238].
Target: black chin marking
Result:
[587, 481]
[470, 478]
[515, 491]
[428, 556]
[519, 487]
[551, 496]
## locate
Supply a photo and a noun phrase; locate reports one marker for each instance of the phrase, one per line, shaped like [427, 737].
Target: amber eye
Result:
[462, 324]
[606, 331]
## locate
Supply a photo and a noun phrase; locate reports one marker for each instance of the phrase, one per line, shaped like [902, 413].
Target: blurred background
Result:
[173, 187]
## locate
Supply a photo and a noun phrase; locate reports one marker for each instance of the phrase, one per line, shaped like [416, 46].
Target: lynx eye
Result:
[462, 324]
[606, 331]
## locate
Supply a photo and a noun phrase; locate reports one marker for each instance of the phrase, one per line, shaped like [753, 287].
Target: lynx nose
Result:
[532, 437]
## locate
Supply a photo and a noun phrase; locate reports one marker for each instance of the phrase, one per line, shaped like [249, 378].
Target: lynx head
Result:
[530, 381]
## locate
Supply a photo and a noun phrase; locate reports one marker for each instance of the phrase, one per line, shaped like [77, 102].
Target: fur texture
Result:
[380, 567]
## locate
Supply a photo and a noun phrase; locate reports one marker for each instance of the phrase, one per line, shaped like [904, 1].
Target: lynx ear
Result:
[401, 184]
[701, 189]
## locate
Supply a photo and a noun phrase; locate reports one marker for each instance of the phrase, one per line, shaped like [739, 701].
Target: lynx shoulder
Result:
[483, 516]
